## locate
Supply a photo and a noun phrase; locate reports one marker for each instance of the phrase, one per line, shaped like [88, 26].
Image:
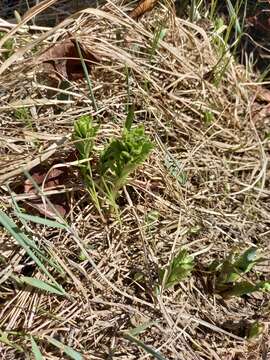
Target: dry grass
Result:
[222, 205]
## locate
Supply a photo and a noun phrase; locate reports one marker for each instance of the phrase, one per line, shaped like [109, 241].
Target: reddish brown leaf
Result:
[261, 115]
[63, 59]
[51, 180]
[143, 7]
[263, 94]
[46, 209]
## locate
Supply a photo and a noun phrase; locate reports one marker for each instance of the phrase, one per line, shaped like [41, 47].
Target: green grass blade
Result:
[40, 284]
[86, 74]
[234, 17]
[158, 36]
[141, 328]
[24, 241]
[145, 347]
[73, 354]
[130, 117]
[239, 289]
[40, 220]
[35, 350]
[33, 245]
[4, 340]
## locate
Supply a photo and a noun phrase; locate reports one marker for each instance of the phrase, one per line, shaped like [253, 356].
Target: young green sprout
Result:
[230, 274]
[122, 157]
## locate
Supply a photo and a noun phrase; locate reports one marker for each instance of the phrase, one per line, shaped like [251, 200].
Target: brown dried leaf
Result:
[64, 59]
[47, 210]
[142, 8]
[47, 181]
[261, 115]
[55, 178]
[263, 94]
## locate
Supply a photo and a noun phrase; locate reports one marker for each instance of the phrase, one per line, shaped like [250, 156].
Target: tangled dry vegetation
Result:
[205, 187]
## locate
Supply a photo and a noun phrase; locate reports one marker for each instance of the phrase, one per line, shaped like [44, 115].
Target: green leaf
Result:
[35, 350]
[141, 328]
[208, 117]
[4, 339]
[122, 156]
[40, 220]
[125, 154]
[145, 347]
[239, 289]
[246, 261]
[175, 169]
[232, 269]
[179, 269]
[73, 354]
[264, 286]
[7, 46]
[40, 284]
[84, 135]
[255, 330]
[227, 273]
[130, 117]
[27, 244]
[151, 219]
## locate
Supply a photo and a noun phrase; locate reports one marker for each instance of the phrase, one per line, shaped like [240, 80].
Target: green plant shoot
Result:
[231, 270]
[121, 157]
[84, 137]
[8, 47]
[236, 266]
[179, 269]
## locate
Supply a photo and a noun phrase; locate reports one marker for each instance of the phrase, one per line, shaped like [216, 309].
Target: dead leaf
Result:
[47, 180]
[261, 115]
[46, 209]
[143, 7]
[63, 59]
[263, 94]
[52, 179]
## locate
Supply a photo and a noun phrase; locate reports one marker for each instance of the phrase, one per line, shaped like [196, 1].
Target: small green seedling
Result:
[255, 330]
[151, 219]
[7, 47]
[179, 269]
[175, 169]
[84, 138]
[23, 114]
[121, 157]
[230, 272]
[159, 35]
[208, 117]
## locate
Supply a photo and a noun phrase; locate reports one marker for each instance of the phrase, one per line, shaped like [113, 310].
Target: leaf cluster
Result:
[120, 157]
[180, 268]
[230, 274]
[84, 136]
